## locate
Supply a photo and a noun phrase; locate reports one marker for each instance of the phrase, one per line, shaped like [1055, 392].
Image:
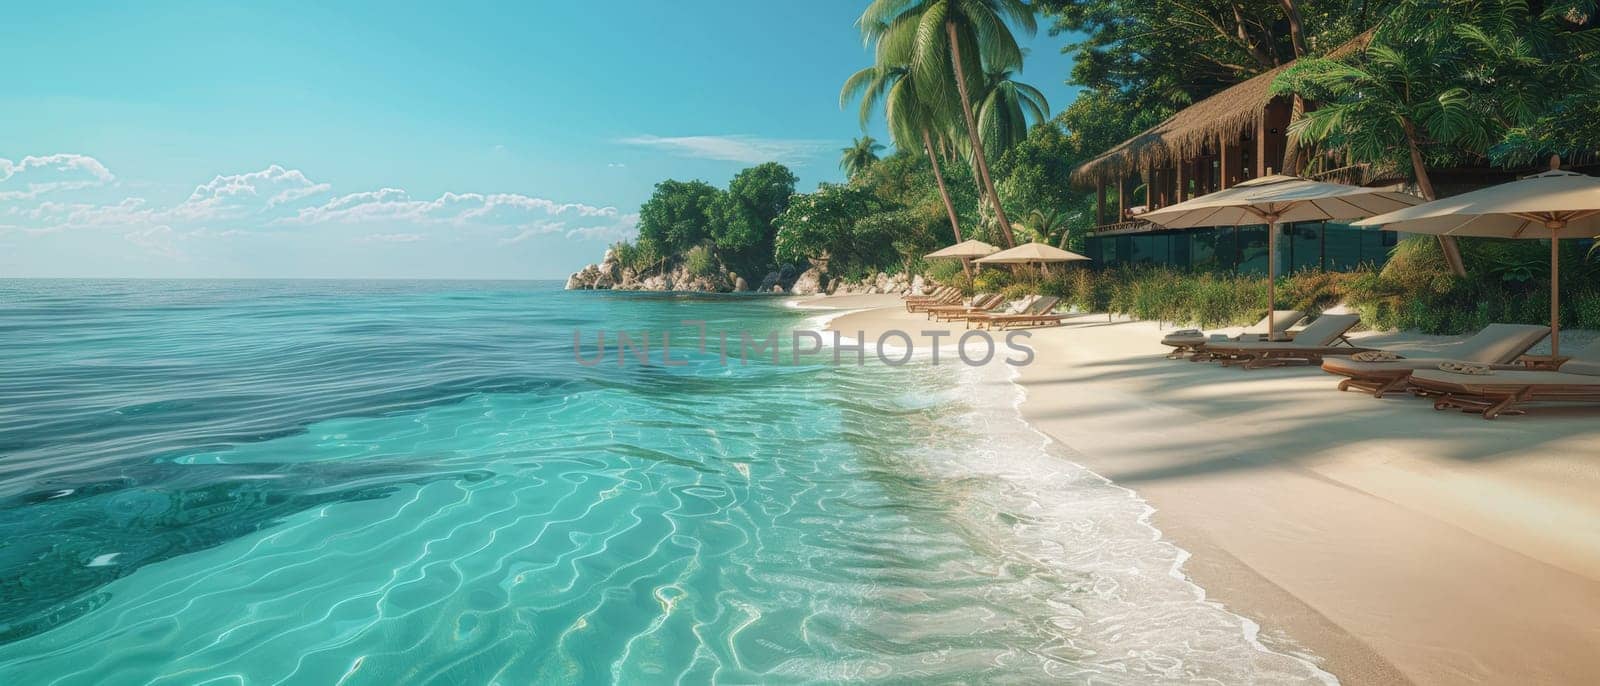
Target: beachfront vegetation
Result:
[1442, 84]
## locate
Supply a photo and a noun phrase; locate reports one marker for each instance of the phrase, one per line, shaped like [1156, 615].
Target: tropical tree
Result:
[1005, 109]
[677, 216]
[860, 155]
[742, 219]
[949, 45]
[909, 118]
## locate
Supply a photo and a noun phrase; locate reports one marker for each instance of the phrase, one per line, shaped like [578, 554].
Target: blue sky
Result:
[400, 140]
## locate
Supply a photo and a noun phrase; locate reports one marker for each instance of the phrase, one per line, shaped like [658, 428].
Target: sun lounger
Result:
[1497, 345]
[952, 297]
[982, 302]
[1194, 342]
[1036, 313]
[936, 294]
[1501, 391]
[1320, 338]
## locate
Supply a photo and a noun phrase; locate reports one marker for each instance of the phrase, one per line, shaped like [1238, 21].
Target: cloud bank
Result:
[734, 148]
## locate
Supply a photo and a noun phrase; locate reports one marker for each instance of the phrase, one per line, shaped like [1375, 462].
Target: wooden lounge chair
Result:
[980, 303]
[1322, 337]
[1500, 391]
[1497, 345]
[951, 297]
[1036, 313]
[1187, 343]
[935, 294]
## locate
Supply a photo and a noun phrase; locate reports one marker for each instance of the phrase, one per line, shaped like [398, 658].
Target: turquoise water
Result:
[394, 482]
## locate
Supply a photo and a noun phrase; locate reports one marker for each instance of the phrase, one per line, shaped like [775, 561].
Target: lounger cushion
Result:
[1508, 379]
[1357, 368]
[1497, 343]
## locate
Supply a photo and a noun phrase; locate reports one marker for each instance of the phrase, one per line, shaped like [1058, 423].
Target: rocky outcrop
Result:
[608, 274]
[808, 283]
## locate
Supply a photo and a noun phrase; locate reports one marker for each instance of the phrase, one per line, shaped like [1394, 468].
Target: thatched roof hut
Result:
[1228, 113]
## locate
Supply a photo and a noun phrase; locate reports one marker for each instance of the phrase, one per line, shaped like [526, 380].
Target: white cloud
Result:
[157, 240]
[733, 148]
[36, 175]
[278, 200]
[238, 194]
[395, 205]
[615, 165]
[391, 238]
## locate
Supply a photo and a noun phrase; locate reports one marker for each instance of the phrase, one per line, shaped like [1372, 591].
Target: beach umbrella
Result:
[1031, 253]
[964, 251]
[1275, 199]
[1553, 205]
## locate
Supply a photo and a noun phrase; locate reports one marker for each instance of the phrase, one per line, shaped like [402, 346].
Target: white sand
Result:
[1397, 543]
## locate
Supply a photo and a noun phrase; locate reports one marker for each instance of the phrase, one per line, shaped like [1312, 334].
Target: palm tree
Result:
[862, 153]
[1004, 111]
[1388, 109]
[1046, 226]
[909, 118]
[949, 43]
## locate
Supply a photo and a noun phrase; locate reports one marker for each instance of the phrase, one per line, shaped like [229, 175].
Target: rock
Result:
[918, 284]
[776, 288]
[767, 283]
[573, 282]
[739, 284]
[808, 283]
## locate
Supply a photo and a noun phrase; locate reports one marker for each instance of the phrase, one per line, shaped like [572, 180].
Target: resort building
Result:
[1237, 134]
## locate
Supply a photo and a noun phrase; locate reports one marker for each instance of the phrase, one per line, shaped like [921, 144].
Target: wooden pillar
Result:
[1261, 146]
[1122, 196]
[1182, 177]
[1228, 164]
[1100, 202]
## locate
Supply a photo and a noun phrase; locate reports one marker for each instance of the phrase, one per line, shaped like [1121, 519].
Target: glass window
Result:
[1124, 249]
[1143, 249]
[1227, 248]
[1180, 248]
[1342, 246]
[1305, 246]
[1373, 250]
[1253, 249]
[1203, 249]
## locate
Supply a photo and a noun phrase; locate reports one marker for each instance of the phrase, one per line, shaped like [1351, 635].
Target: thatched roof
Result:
[1230, 112]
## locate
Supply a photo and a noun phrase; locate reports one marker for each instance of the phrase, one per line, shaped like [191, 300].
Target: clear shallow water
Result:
[386, 482]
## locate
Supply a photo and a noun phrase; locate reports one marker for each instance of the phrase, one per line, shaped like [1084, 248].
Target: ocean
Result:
[349, 482]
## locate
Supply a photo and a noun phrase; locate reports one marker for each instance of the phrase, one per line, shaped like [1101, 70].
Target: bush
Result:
[700, 261]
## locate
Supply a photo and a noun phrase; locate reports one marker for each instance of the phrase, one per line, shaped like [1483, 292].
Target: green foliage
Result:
[636, 256]
[742, 225]
[862, 153]
[1450, 82]
[677, 216]
[822, 226]
[699, 261]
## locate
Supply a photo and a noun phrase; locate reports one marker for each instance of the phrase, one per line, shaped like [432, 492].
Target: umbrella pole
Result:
[1272, 279]
[1555, 292]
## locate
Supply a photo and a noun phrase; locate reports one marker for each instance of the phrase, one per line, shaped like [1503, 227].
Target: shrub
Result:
[700, 261]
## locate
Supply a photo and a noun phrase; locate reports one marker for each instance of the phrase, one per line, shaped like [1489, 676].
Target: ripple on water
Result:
[387, 483]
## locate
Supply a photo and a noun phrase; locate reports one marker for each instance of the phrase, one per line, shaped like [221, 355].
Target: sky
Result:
[401, 139]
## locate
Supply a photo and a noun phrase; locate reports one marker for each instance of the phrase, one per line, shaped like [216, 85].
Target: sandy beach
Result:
[1395, 543]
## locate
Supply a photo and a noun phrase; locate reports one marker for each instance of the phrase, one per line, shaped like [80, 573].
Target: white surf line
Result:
[1251, 631]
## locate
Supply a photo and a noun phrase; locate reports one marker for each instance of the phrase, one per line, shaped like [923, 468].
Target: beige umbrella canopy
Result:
[964, 251]
[1553, 205]
[1029, 253]
[1275, 199]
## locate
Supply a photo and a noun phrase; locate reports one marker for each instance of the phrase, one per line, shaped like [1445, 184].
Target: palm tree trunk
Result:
[1293, 153]
[972, 133]
[950, 207]
[1447, 244]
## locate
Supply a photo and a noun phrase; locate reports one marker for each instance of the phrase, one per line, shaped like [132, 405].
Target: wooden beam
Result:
[1122, 197]
[1100, 203]
[1182, 176]
[1261, 146]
